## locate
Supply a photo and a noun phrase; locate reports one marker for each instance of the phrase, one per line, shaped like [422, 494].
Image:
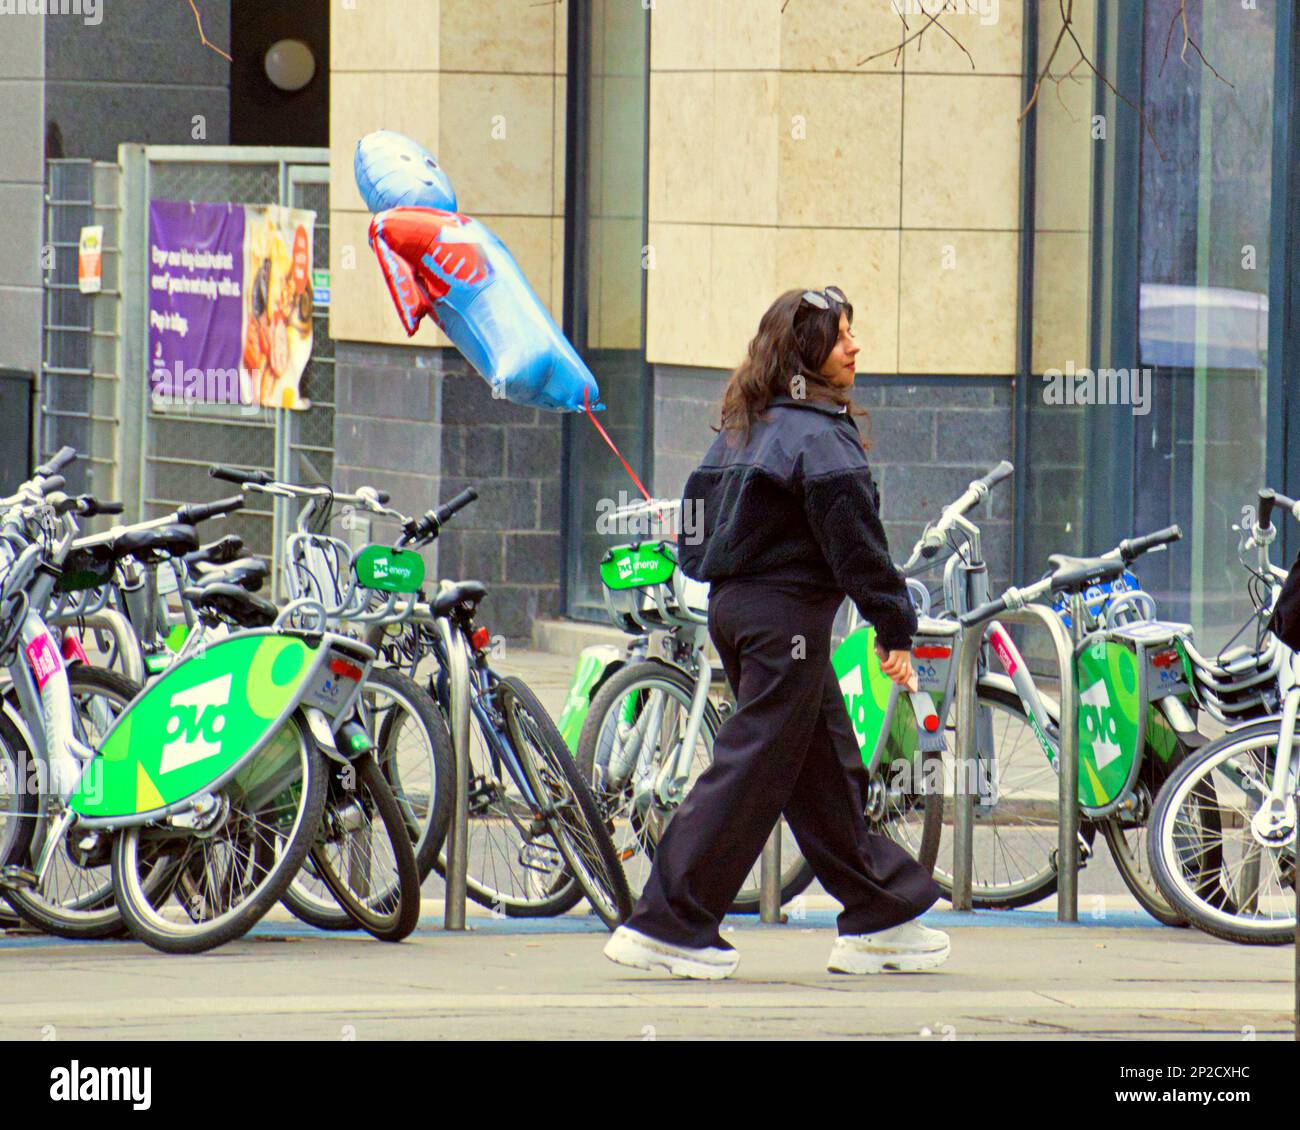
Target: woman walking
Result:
[790, 525]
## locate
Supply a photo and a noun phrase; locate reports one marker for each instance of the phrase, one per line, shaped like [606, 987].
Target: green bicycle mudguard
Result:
[1112, 715]
[1118, 674]
[205, 719]
[866, 691]
[886, 734]
[592, 665]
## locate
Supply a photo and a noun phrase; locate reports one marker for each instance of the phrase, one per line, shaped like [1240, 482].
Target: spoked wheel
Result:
[19, 804]
[1015, 842]
[636, 723]
[237, 860]
[905, 802]
[514, 866]
[75, 896]
[1229, 874]
[413, 750]
[364, 854]
[1128, 839]
[568, 809]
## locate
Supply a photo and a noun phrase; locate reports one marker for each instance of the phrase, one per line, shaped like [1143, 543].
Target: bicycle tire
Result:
[796, 873]
[102, 918]
[1036, 887]
[426, 808]
[584, 842]
[493, 808]
[1223, 921]
[21, 809]
[277, 868]
[397, 912]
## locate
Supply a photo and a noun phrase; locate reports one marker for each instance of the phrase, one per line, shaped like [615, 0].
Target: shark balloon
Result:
[449, 266]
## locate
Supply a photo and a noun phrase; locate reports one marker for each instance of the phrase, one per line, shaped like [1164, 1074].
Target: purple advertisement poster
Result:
[196, 269]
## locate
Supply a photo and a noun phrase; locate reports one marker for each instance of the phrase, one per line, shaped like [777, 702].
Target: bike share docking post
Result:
[453, 916]
[966, 785]
[769, 871]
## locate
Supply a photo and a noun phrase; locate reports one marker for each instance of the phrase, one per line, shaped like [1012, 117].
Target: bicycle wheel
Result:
[1207, 859]
[365, 855]
[413, 750]
[1015, 840]
[514, 866]
[19, 804]
[635, 724]
[226, 874]
[75, 897]
[568, 809]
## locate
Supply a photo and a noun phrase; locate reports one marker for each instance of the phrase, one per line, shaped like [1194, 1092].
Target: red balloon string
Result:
[586, 401]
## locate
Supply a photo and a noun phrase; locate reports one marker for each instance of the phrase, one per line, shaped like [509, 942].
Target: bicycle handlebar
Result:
[426, 528]
[235, 475]
[58, 461]
[195, 512]
[1000, 473]
[1130, 549]
[1268, 499]
[934, 537]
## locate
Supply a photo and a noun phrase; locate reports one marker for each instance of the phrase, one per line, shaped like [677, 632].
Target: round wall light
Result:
[290, 65]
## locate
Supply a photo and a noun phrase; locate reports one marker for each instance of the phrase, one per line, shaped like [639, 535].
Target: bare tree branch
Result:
[934, 19]
[203, 38]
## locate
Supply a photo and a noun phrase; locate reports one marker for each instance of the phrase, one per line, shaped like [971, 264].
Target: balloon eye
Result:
[429, 183]
[406, 156]
[431, 162]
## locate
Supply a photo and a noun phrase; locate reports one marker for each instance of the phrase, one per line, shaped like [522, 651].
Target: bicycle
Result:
[1223, 829]
[523, 803]
[536, 843]
[1134, 691]
[207, 791]
[370, 828]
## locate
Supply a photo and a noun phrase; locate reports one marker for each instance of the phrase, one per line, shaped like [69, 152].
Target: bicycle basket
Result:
[89, 567]
[1241, 683]
[645, 591]
[1099, 597]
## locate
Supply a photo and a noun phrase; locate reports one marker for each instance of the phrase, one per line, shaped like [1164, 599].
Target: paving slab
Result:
[1009, 978]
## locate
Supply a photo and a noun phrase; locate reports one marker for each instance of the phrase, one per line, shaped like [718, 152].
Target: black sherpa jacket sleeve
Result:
[841, 506]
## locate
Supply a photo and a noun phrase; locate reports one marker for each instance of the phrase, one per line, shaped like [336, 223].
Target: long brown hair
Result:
[794, 340]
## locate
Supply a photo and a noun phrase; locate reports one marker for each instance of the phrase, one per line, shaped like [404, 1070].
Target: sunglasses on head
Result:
[824, 299]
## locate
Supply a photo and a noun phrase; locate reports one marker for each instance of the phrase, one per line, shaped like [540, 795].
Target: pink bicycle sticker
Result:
[1005, 653]
[44, 658]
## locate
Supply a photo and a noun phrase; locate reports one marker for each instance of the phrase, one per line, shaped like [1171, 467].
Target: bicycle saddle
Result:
[171, 540]
[463, 592]
[247, 572]
[1080, 572]
[218, 552]
[233, 603]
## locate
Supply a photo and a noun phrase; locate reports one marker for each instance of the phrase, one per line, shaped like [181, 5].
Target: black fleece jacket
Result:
[796, 502]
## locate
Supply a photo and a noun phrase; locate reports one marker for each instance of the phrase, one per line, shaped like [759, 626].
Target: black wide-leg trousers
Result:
[788, 748]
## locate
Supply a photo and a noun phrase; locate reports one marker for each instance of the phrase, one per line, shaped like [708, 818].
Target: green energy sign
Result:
[389, 570]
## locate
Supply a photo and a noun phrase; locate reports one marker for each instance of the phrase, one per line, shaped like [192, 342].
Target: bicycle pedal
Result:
[17, 878]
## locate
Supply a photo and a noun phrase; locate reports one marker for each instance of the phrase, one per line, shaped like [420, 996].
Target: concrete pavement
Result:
[1012, 975]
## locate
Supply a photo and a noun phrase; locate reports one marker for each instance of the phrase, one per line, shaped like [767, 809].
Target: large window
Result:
[605, 283]
[1200, 453]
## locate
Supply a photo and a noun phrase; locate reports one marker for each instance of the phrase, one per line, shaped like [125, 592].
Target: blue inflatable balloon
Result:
[392, 171]
[452, 268]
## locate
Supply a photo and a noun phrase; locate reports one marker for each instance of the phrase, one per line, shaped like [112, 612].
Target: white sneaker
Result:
[640, 951]
[909, 948]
